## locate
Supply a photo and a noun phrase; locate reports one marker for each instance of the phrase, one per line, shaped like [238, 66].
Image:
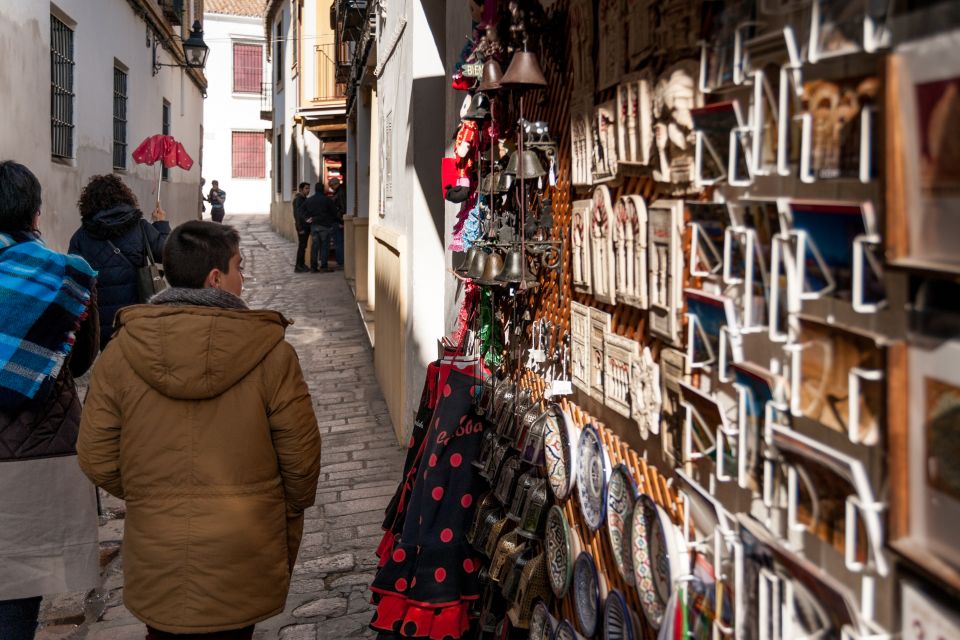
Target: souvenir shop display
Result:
[705, 378]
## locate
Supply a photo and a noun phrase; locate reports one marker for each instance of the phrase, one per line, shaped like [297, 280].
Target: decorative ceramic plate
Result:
[593, 473]
[565, 631]
[621, 499]
[586, 593]
[559, 444]
[559, 551]
[665, 552]
[617, 618]
[542, 624]
[653, 606]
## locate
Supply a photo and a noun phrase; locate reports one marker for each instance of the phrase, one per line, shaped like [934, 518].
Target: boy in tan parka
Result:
[199, 417]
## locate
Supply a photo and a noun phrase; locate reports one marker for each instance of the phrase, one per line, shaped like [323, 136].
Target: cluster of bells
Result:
[513, 514]
[489, 268]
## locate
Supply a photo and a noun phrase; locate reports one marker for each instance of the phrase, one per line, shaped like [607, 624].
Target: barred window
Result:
[247, 68]
[61, 89]
[119, 118]
[165, 130]
[248, 159]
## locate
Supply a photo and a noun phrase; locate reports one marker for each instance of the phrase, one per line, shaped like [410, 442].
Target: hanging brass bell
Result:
[504, 182]
[475, 270]
[524, 72]
[467, 261]
[491, 269]
[479, 108]
[525, 166]
[515, 268]
[492, 76]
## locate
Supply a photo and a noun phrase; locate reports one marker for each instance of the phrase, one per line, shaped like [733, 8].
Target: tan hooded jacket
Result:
[201, 420]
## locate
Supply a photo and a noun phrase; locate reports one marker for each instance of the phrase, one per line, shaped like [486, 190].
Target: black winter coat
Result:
[117, 274]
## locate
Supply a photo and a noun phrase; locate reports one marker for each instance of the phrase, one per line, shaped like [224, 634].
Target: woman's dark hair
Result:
[195, 248]
[19, 196]
[104, 192]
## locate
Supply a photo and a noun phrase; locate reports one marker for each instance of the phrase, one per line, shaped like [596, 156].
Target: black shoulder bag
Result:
[150, 279]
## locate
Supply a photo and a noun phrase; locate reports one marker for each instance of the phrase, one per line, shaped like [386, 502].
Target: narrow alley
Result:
[361, 463]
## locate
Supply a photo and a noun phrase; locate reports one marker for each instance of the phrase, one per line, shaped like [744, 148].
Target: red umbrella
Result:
[165, 149]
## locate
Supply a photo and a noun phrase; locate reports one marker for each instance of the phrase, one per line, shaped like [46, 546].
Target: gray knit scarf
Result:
[179, 297]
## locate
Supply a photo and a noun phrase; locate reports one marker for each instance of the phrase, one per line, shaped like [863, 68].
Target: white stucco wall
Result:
[226, 112]
[105, 31]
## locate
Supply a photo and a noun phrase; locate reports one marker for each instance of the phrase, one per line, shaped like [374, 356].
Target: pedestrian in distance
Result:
[320, 211]
[220, 450]
[114, 238]
[49, 331]
[216, 198]
[302, 227]
[339, 195]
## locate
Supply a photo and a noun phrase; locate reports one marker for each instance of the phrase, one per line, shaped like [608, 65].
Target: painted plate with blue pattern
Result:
[621, 500]
[592, 475]
[653, 605]
[560, 440]
[559, 548]
[618, 621]
[586, 593]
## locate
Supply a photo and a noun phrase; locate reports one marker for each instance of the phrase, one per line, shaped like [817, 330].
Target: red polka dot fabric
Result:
[424, 550]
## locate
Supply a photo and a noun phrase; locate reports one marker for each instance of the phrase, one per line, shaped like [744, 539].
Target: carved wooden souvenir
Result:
[581, 141]
[640, 34]
[604, 142]
[581, 268]
[619, 352]
[645, 394]
[674, 95]
[599, 328]
[838, 380]
[602, 266]
[581, 43]
[580, 346]
[611, 54]
[630, 251]
[665, 268]
[673, 371]
[635, 118]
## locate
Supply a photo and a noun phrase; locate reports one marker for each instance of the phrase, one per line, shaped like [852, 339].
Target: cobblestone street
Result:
[361, 465]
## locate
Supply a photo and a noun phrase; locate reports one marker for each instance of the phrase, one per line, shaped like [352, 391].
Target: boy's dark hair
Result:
[319, 188]
[19, 196]
[195, 248]
[102, 193]
[302, 185]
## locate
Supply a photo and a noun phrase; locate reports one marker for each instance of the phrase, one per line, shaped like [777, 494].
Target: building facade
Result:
[401, 117]
[303, 104]
[89, 89]
[237, 147]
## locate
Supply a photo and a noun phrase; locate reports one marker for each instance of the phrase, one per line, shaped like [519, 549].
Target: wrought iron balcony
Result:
[346, 18]
[328, 85]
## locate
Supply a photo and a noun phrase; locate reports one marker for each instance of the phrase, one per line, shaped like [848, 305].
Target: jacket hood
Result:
[196, 353]
[113, 222]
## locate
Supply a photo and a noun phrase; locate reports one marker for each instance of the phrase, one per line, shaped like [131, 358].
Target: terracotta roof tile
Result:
[252, 8]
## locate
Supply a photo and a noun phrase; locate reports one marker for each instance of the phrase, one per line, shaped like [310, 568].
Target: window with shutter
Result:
[247, 68]
[248, 159]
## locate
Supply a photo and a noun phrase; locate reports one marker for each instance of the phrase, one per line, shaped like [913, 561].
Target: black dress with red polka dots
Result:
[428, 573]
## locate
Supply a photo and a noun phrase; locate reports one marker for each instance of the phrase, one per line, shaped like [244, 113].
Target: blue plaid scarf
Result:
[44, 295]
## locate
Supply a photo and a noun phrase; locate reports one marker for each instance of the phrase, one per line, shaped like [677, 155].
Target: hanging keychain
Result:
[562, 387]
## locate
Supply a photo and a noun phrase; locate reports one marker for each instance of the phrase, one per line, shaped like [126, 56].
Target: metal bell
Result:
[492, 267]
[515, 269]
[526, 166]
[475, 270]
[467, 261]
[492, 75]
[479, 108]
[524, 72]
[504, 182]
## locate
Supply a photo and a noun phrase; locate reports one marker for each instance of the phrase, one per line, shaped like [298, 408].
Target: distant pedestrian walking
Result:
[216, 198]
[302, 227]
[320, 212]
[220, 450]
[49, 329]
[114, 238]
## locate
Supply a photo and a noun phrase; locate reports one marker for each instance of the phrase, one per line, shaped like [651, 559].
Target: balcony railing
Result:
[266, 101]
[328, 86]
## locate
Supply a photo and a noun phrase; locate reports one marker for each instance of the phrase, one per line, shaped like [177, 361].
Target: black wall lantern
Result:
[195, 50]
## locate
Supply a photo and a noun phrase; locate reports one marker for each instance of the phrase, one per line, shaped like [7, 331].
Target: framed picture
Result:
[630, 251]
[708, 432]
[841, 129]
[746, 258]
[840, 27]
[599, 328]
[581, 142]
[923, 155]
[674, 95]
[603, 267]
[580, 361]
[713, 338]
[837, 380]
[761, 402]
[580, 257]
[665, 268]
[604, 142]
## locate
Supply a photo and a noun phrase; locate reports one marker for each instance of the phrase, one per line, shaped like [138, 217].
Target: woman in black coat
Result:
[114, 238]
